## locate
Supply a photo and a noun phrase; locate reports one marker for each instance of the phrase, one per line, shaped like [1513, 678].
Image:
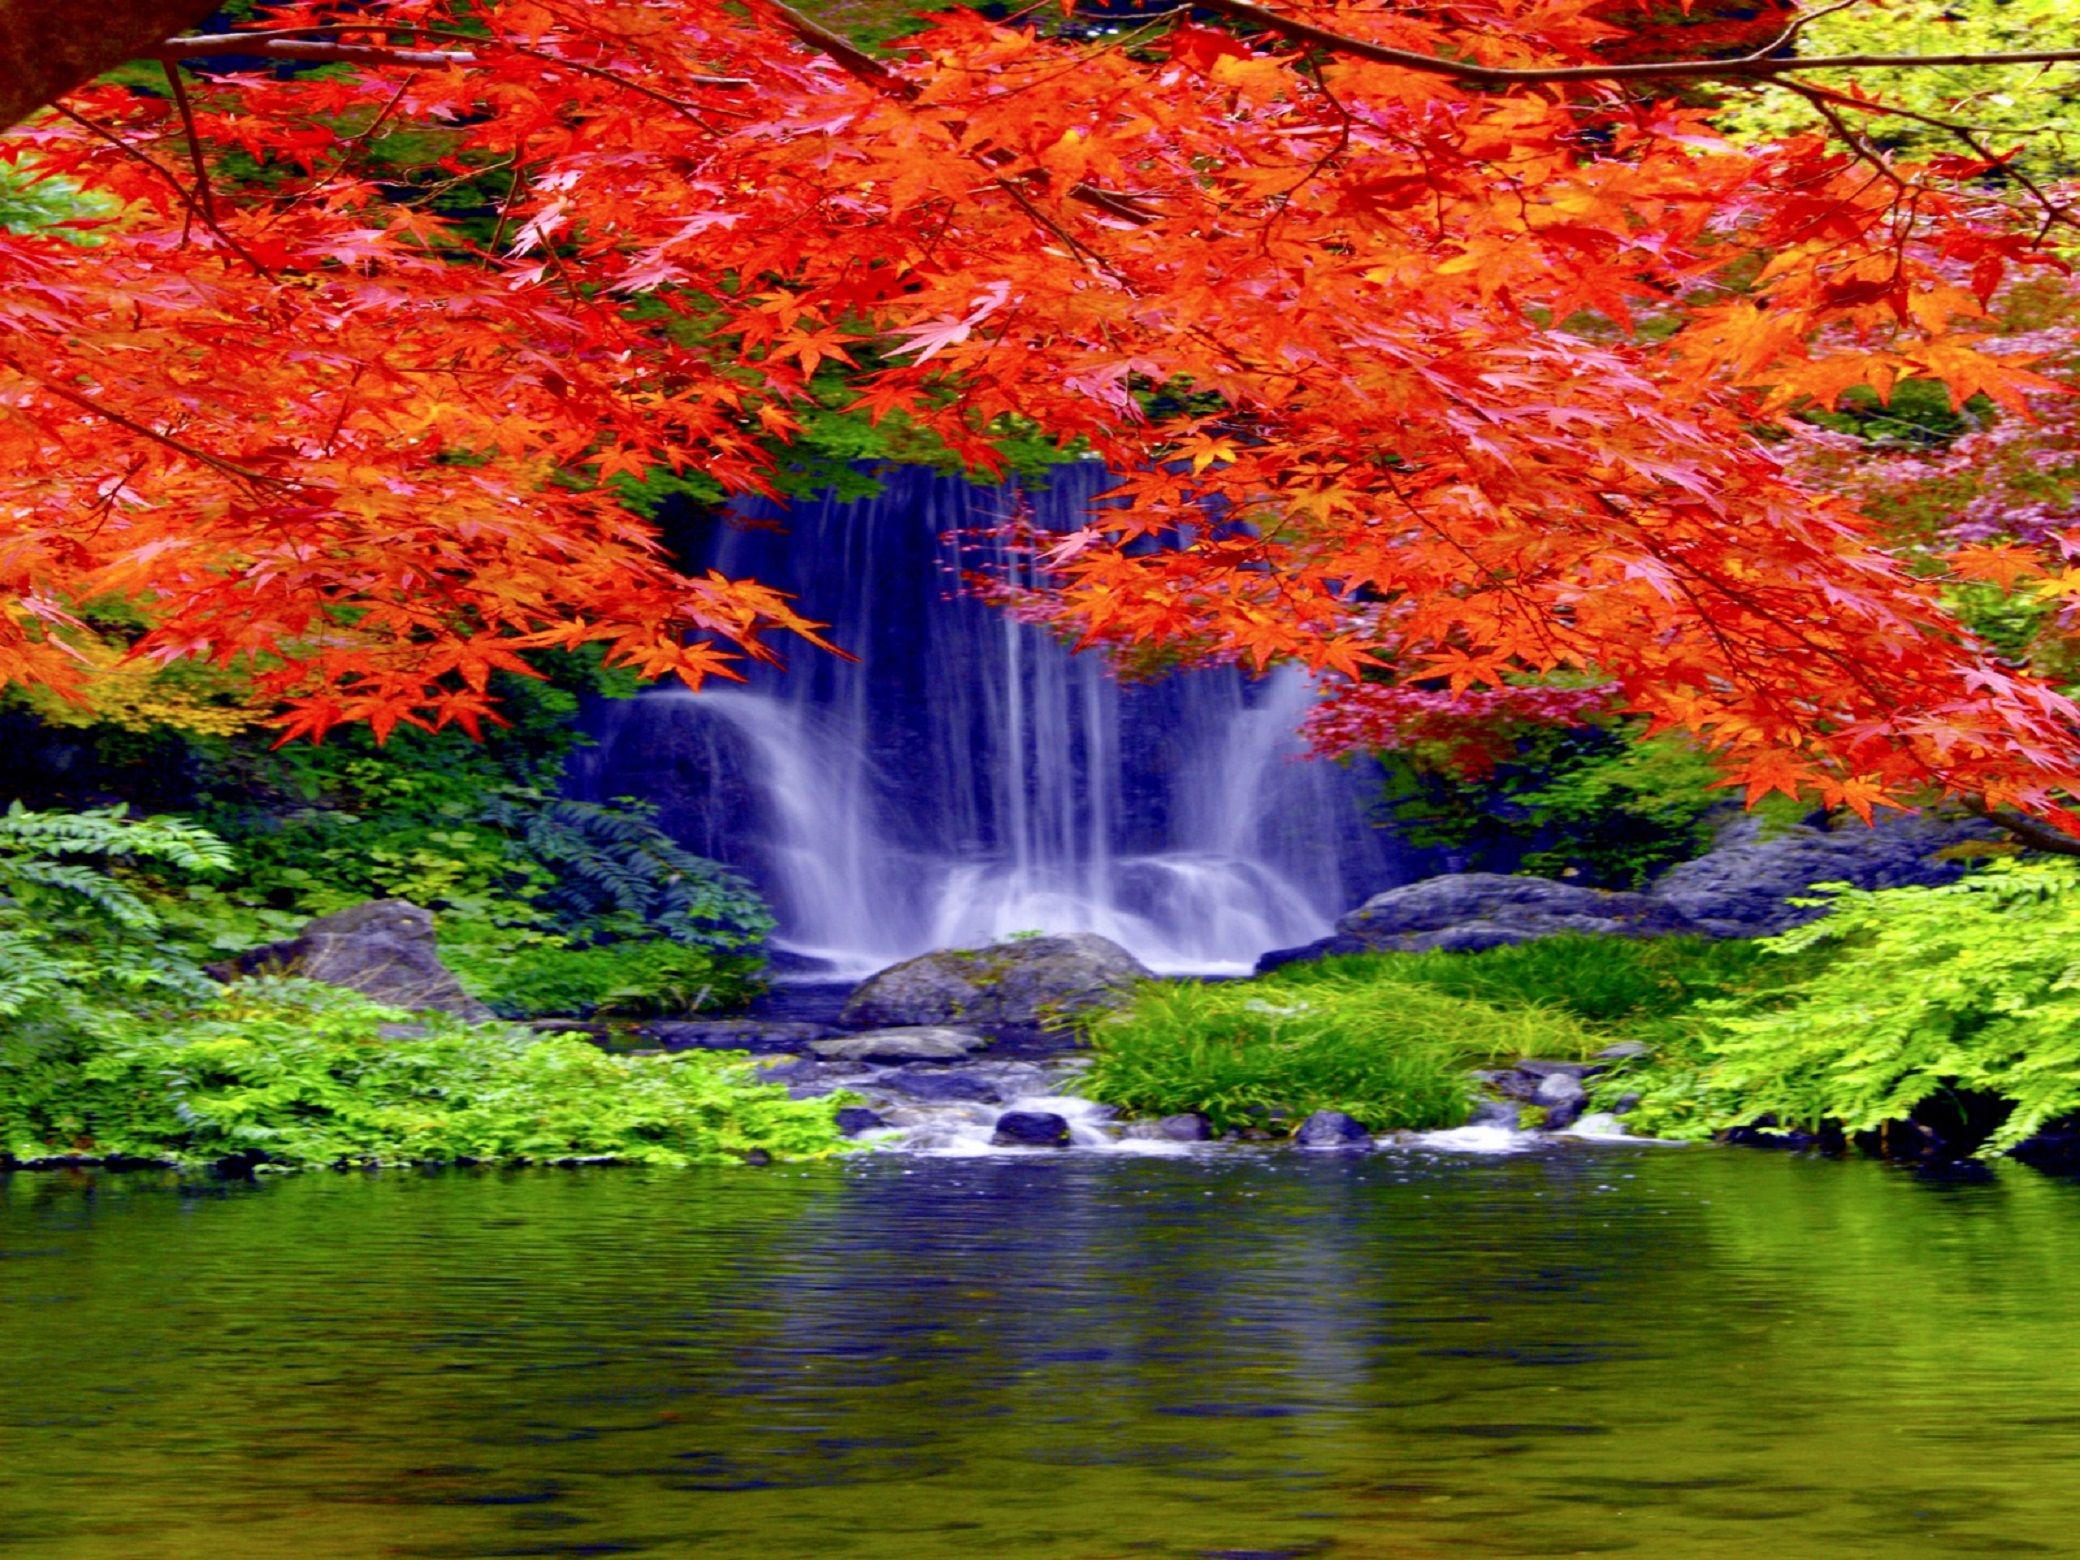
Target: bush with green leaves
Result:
[522, 979]
[1393, 1054]
[77, 942]
[293, 1074]
[1971, 988]
[1604, 804]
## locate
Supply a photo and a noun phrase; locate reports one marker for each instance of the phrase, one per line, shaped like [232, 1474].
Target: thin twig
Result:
[87, 403]
[188, 197]
[204, 196]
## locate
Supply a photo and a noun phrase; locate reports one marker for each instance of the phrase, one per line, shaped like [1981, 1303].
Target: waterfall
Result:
[966, 777]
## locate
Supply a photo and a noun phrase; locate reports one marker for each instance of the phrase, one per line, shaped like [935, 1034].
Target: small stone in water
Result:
[1189, 1128]
[855, 1119]
[1332, 1129]
[1563, 1097]
[1031, 1129]
[1496, 1113]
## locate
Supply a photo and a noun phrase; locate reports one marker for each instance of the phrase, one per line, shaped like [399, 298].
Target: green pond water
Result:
[1587, 1350]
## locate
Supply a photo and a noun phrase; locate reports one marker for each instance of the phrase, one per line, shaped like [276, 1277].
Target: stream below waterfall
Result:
[1415, 1354]
[965, 776]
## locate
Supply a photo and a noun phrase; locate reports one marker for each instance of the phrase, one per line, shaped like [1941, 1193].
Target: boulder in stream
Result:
[1188, 1128]
[1022, 985]
[1332, 1129]
[909, 1043]
[1031, 1129]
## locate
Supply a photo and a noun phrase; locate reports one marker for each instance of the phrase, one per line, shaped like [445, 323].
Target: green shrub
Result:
[1971, 987]
[302, 1075]
[629, 979]
[1393, 1054]
[1603, 803]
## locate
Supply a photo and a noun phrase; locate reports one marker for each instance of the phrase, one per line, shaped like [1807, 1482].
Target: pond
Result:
[1588, 1349]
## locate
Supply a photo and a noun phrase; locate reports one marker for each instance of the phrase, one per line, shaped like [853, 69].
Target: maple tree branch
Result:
[1744, 68]
[321, 50]
[204, 195]
[2056, 212]
[2031, 831]
[303, 43]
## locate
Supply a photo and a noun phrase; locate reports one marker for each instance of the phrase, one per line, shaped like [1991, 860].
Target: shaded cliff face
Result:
[966, 777]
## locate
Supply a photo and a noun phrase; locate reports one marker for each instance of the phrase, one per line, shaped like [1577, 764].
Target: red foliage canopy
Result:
[1476, 372]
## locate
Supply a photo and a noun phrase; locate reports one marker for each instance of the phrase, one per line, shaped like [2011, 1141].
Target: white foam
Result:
[1489, 1139]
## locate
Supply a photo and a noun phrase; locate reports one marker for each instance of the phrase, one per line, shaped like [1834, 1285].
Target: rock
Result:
[1332, 1129]
[806, 1078]
[1191, 1128]
[1496, 1113]
[761, 1037]
[1024, 985]
[1563, 1097]
[1539, 1068]
[1031, 1129]
[854, 1119]
[938, 1084]
[1740, 888]
[1469, 911]
[1624, 1051]
[383, 949]
[913, 1043]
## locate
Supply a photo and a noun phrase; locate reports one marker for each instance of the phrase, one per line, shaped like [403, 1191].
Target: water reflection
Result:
[1582, 1351]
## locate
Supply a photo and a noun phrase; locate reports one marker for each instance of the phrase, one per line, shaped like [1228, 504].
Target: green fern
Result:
[1972, 987]
[614, 871]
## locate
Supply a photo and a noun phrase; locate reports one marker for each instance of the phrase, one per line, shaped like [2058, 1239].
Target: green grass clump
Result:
[301, 1075]
[1601, 980]
[1392, 1053]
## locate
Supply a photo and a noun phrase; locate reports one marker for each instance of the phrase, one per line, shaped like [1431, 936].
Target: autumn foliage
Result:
[1420, 382]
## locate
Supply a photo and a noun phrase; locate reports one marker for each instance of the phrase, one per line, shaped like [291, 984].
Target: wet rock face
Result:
[1741, 887]
[1020, 986]
[1031, 1129]
[383, 949]
[1469, 911]
[854, 1119]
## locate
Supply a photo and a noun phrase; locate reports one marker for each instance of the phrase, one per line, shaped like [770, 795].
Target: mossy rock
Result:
[1027, 985]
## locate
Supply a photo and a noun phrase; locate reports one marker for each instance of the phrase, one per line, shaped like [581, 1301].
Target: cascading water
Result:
[967, 777]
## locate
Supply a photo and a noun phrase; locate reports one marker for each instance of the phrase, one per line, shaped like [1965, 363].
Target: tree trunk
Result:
[48, 47]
